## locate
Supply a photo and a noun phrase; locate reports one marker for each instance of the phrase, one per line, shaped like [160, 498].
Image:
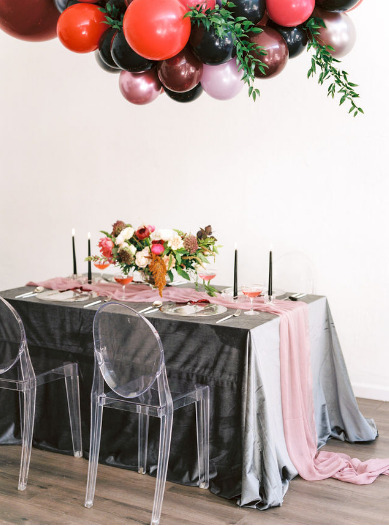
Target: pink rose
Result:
[106, 245]
[157, 249]
[151, 228]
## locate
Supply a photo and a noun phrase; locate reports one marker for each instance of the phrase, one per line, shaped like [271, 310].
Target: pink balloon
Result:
[140, 88]
[339, 32]
[222, 82]
[289, 13]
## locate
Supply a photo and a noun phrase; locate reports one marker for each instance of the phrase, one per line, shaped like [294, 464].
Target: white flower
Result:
[176, 242]
[125, 234]
[132, 249]
[142, 258]
[165, 234]
[166, 260]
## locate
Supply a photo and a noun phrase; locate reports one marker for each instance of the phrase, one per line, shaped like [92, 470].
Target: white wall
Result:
[294, 170]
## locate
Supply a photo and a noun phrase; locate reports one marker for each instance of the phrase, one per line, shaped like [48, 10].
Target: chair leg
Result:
[27, 432]
[143, 435]
[202, 424]
[163, 460]
[94, 450]
[73, 396]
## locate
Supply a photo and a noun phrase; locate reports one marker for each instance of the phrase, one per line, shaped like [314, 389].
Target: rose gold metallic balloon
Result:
[277, 52]
[182, 72]
[140, 88]
[339, 32]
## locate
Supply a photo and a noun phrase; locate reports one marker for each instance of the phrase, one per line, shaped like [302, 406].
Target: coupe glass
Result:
[252, 291]
[206, 274]
[101, 265]
[123, 279]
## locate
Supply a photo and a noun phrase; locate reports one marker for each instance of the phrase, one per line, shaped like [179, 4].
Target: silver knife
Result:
[144, 310]
[236, 313]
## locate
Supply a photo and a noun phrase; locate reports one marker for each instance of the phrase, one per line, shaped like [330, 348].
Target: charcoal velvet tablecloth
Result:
[238, 359]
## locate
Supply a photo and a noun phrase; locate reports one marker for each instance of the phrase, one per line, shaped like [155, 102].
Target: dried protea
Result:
[117, 228]
[203, 233]
[125, 256]
[190, 244]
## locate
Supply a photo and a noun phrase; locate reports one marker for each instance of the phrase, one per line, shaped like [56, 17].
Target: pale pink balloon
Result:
[222, 82]
[339, 32]
[140, 88]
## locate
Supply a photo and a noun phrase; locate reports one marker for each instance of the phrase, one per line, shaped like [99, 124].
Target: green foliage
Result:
[323, 59]
[223, 22]
[113, 17]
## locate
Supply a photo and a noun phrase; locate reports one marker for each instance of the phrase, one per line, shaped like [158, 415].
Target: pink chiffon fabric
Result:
[296, 378]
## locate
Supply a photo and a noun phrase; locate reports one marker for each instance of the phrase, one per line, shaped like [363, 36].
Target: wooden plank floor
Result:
[56, 490]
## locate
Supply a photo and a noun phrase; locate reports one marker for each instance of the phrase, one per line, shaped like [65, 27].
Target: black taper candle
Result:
[74, 254]
[236, 272]
[270, 288]
[89, 261]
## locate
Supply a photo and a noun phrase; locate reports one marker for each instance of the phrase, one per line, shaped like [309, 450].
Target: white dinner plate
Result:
[66, 296]
[209, 309]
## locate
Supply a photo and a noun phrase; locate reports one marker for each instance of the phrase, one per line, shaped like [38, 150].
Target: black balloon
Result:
[253, 10]
[120, 4]
[105, 48]
[187, 96]
[126, 58]
[61, 5]
[295, 37]
[105, 66]
[336, 5]
[209, 47]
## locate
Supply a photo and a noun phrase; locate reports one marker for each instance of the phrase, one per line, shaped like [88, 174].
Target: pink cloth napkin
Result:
[296, 378]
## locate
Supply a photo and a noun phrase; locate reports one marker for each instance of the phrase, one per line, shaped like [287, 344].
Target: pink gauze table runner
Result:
[296, 379]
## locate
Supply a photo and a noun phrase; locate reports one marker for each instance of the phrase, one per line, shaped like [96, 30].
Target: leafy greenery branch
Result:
[323, 59]
[113, 17]
[223, 22]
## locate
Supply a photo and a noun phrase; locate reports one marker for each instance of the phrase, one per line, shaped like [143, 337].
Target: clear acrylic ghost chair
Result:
[17, 374]
[294, 272]
[129, 357]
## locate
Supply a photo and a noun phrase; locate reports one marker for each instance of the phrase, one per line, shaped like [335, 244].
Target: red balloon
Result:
[156, 29]
[277, 52]
[80, 27]
[205, 4]
[182, 72]
[32, 20]
[289, 13]
[140, 88]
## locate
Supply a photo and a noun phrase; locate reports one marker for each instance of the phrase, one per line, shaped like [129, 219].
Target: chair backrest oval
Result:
[12, 336]
[294, 272]
[128, 349]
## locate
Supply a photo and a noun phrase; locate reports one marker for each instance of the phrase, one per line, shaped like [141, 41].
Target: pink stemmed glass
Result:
[101, 265]
[252, 291]
[123, 280]
[206, 274]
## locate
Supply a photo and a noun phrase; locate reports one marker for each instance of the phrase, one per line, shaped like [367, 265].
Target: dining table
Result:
[238, 359]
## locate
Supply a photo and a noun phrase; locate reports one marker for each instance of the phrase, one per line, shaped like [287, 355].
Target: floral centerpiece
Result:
[156, 253]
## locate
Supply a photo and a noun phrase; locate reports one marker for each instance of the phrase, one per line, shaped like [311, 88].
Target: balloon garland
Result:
[187, 47]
